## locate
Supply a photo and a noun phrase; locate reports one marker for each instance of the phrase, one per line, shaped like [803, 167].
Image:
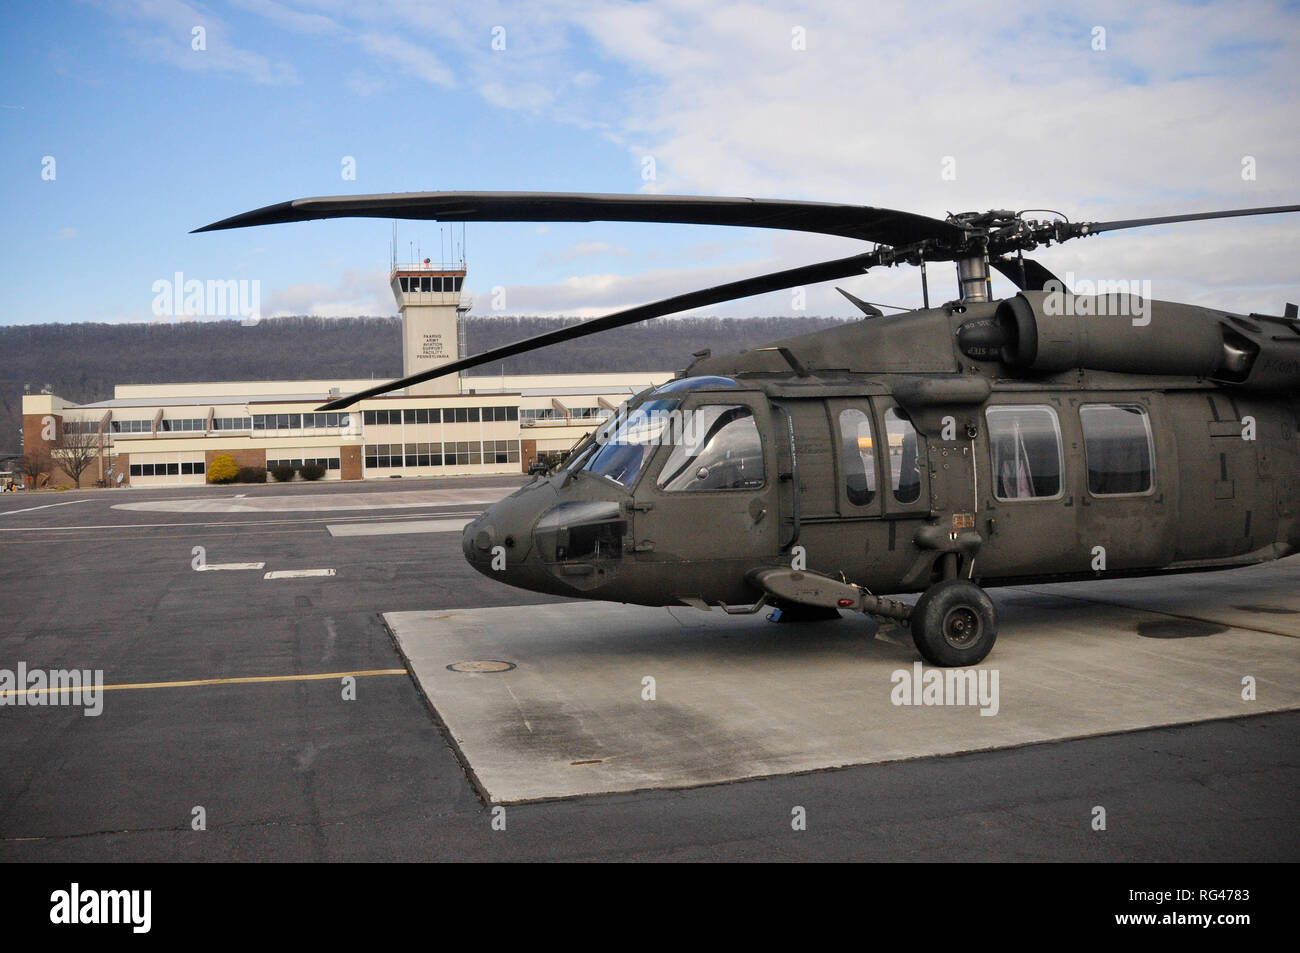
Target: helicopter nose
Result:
[477, 540]
[500, 539]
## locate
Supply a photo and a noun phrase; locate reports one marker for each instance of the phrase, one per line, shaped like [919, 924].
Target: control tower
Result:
[428, 300]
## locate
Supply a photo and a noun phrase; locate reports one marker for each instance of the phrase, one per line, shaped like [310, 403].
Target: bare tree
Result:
[75, 452]
[36, 463]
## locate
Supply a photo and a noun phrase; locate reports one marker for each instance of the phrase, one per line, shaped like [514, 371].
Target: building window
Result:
[858, 457]
[500, 451]
[188, 424]
[1118, 447]
[1025, 443]
[379, 455]
[324, 421]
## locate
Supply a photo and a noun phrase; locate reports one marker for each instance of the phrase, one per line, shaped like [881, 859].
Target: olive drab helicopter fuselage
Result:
[1043, 437]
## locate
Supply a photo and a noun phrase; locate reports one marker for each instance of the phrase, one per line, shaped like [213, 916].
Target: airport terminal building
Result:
[168, 434]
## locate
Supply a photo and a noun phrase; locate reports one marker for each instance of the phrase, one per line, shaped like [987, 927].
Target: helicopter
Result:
[1047, 436]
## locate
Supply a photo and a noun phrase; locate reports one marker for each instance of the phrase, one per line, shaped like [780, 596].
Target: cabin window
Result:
[1118, 447]
[715, 447]
[904, 465]
[858, 457]
[1025, 443]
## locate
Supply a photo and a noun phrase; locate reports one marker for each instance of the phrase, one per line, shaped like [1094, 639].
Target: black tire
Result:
[954, 623]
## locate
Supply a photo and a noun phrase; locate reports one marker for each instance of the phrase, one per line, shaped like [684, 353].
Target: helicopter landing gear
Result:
[954, 623]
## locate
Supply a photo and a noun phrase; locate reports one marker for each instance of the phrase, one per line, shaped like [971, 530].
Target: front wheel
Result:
[954, 623]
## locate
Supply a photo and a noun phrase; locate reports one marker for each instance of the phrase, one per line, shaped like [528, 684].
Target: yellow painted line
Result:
[244, 680]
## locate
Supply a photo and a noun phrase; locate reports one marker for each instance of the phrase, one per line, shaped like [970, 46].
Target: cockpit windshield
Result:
[627, 440]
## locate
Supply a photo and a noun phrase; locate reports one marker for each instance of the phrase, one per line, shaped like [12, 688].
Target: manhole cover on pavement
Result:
[481, 666]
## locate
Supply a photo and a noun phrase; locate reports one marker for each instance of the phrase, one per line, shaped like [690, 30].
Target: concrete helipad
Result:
[739, 697]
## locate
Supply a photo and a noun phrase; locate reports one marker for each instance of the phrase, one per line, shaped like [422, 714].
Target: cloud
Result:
[364, 84]
[1028, 107]
[356, 293]
[409, 57]
[170, 30]
[583, 250]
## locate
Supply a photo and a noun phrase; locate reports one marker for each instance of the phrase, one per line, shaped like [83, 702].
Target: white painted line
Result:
[214, 567]
[188, 525]
[45, 507]
[298, 573]
[391, 528]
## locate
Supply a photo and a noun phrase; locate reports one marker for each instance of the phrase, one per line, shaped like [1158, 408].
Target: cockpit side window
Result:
[714, 447]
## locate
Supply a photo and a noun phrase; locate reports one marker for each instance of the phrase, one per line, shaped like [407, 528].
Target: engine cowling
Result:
[1048, 332]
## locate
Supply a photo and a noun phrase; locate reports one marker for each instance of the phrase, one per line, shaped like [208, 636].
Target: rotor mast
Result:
[973, 280]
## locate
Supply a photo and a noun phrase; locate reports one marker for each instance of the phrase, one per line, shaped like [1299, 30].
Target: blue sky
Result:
[151, 138]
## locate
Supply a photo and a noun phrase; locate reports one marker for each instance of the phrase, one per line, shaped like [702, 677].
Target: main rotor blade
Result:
[1091, 227]
[1035, 276]
[776, 281]
[881, 225]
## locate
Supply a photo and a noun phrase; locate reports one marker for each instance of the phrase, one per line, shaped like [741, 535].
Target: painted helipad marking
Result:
[276, 503]
[217, 567]
[298, 573]
[203, 682]
[186, 525]
[45, 507]
[389, 529]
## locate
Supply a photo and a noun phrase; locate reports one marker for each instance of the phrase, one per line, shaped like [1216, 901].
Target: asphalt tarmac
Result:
[277, 716]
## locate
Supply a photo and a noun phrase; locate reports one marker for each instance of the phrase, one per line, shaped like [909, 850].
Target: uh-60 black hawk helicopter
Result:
[1047, 436]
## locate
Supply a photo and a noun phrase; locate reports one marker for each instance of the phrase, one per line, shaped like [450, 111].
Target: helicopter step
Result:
[953, 623]
[816, 591]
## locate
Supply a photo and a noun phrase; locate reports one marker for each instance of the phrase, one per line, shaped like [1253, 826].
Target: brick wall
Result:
[35, 443]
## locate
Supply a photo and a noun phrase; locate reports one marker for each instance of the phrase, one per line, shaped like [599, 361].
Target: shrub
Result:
[252, 474]
[311, 471]
[223, 469]
[283, 472]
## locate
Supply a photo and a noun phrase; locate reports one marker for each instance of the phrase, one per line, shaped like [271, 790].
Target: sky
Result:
[124, 125]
